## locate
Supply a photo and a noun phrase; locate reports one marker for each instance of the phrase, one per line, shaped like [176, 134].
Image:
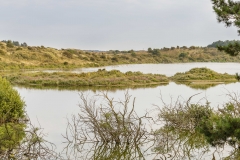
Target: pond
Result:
[50, 108]
[166, 69]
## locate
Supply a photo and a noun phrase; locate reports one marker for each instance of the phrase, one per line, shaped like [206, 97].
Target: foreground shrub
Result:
[11, 116]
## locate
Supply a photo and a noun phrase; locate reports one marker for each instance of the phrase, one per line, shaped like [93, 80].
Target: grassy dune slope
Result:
[31, 57]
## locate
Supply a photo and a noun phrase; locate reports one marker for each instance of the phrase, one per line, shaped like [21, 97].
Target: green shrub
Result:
[92, 59]
[114, 59]
[11, 114]
[10, 102]
[223, 127]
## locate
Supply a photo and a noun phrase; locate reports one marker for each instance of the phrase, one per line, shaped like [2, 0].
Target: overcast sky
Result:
[112, 24]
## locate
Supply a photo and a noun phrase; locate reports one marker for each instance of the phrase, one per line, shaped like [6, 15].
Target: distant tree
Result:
[24, 44]
[215, 44]
[232, 49]
[184, 47]
[149, 50]
[222, 43]
[10, 44]
[16, 43]
[228, 12]
[117, 51]
[154, 51]
[165, 49]
[131, 51]
[192, 47]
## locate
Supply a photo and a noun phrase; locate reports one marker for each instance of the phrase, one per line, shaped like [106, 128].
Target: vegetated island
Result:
[14, 56]
[99, 78]
[203, 76]
[192, 78]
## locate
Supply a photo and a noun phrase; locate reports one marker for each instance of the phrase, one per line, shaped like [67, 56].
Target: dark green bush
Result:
[114, 59]
[11, 115]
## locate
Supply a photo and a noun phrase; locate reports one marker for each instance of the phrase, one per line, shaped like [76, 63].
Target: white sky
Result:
[112, 24]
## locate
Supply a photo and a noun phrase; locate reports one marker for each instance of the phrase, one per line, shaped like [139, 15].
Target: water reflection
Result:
[124, 152]
[203, 85]
[166, 69]
[108, 130]
[116, 131]
[101, 151]
[87, 88]
[52, 106]
[176, 144]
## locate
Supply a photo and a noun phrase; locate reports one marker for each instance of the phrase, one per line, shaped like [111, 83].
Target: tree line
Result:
[223, 43]
[10, 43]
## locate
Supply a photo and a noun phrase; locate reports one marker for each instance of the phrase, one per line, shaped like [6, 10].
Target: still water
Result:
[166, 69]
[50, 108]
[169, 69]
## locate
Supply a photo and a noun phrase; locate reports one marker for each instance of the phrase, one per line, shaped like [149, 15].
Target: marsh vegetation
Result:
[196, 77]
[99, 78]
[203, 75]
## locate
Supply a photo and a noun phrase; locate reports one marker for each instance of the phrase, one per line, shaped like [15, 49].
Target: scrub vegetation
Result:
[99, 78]
[179, 130]
[204, 75]
[13, 57]
[192, 129]
[11, 115]
[19, 139]
[201, 78]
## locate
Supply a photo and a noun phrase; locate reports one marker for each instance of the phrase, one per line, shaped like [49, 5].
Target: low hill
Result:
[14, 57]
